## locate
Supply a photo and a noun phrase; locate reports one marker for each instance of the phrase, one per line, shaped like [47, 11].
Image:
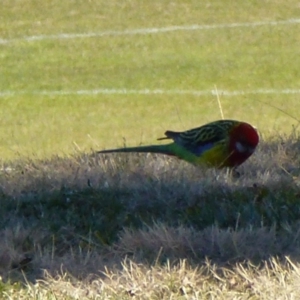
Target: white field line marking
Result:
[149, 92]
[145, 31]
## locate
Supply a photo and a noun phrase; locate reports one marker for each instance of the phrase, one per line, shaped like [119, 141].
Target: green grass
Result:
[76, 225]
[241, 58]
[44, 126]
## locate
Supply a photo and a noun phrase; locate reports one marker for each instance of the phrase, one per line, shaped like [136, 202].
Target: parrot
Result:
[218, 144]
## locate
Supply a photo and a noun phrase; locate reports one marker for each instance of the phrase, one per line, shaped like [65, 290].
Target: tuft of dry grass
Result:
[151, 227]
[272, 280]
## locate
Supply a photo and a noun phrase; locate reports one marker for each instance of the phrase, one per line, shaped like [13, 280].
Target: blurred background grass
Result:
[233, 59]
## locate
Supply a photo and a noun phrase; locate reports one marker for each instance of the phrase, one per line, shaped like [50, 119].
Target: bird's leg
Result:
[234, 173]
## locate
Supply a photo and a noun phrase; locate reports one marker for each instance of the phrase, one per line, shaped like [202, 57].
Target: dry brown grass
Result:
[149, 227]
[272, 280]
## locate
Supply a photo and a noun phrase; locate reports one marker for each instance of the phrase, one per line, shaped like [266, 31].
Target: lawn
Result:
[49, 100]
[80, 76]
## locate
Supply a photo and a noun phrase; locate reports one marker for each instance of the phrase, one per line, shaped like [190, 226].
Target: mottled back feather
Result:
[200, 139]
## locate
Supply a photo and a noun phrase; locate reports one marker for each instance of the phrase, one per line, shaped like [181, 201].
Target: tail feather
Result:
[161, 149]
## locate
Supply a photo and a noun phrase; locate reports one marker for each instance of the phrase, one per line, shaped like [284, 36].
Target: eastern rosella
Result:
[223, 143]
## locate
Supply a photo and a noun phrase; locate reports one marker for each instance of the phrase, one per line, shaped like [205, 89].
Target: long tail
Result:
[162, 149]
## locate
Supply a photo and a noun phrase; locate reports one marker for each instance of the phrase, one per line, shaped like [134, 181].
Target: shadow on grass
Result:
[81, 214]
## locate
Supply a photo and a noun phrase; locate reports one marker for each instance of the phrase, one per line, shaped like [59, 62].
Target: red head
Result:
[243, 141]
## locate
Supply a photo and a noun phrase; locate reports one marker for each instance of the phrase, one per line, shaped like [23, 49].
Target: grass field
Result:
[78, 76]
[242, 58]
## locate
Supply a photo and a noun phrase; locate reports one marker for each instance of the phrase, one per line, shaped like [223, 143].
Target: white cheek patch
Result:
[240, 148]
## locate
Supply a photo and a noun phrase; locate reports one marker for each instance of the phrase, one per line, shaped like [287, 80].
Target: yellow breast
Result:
[214, 157]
